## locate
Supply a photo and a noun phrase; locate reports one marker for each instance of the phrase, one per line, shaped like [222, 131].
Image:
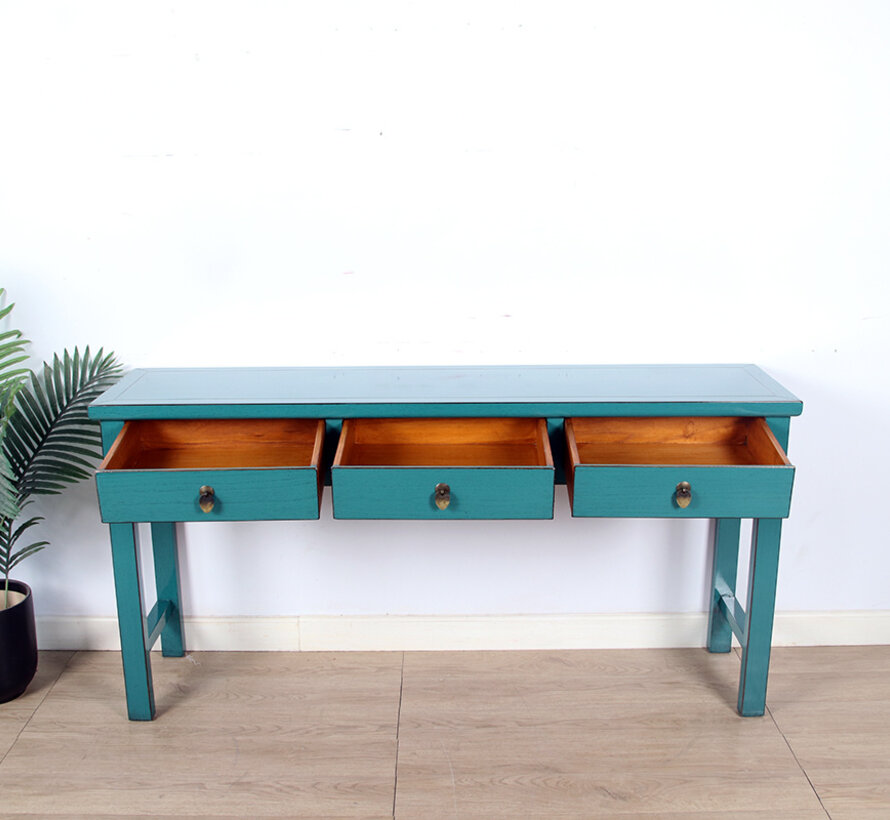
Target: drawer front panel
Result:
[650, 492]
[476, 492]
[240, 494]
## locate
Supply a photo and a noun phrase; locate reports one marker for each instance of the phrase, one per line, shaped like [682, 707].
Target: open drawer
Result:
[443, 468]
[682, 467]
[212, 470]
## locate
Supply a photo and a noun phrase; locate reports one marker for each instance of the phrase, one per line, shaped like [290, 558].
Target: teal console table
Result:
[249, 444]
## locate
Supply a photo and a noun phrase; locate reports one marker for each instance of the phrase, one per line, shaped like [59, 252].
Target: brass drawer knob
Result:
[684, 494]
[206, 498]
[442, 496]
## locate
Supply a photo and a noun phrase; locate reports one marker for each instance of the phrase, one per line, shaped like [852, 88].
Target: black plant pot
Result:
[18, 643]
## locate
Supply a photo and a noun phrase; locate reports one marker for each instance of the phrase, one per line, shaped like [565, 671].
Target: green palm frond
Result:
[9, 556]
[50, 442]
[8, 494]
[47, 440]
[12, 354]
[12, 379]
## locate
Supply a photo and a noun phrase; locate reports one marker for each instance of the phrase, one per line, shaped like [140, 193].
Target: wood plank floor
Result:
[438, 736]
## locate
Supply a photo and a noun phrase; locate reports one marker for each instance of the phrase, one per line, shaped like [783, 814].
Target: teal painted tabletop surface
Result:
[733, 385]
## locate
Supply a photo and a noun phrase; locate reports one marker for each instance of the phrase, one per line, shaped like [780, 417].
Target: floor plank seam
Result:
[34, 710]
[797, 761]
[395, 786]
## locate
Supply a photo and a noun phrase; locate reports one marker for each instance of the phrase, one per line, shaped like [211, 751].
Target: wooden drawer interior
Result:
[472, 442]
[719, 441]
[184, 444]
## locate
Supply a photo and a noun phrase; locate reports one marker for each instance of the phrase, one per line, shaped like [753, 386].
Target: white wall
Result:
[299, 183]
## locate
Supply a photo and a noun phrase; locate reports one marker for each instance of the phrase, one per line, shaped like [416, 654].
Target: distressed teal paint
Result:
[762, 576]
[241, 495]
[131, 622]
[724, 569]
[781, 427]
[551, 392]
[556, 432]
[546, 409]
[731, 610]
[331, 440]
[110, 431]
[619, 491]
[476, 492]
[166, 564]
[157, 620]
[735, 616]
[542, 384]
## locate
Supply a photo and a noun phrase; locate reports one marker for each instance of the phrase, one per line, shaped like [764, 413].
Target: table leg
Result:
[166, 560]
[131, 622]
[723, 574]
[762, 574]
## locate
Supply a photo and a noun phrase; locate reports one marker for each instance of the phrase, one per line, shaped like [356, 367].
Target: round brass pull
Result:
[442, 496]
[684, 494]
[206, 498]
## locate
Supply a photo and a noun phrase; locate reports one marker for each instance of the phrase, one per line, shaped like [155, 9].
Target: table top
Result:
[565, 390]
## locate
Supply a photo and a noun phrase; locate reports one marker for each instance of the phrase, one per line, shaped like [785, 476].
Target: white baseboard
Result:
[439, 632]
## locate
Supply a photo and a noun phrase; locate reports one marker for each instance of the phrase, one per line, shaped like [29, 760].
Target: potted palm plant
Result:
[47, 442]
